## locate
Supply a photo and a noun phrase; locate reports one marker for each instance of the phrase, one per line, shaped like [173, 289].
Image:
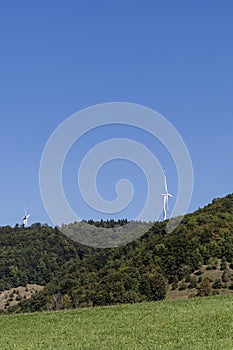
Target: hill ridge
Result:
[146, 269]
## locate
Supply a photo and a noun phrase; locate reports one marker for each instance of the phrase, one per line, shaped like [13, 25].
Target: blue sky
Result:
[58, 57]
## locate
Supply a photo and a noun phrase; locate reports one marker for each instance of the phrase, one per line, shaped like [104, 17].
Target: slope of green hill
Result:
[200, 324]
[147, 269]
[34, 255]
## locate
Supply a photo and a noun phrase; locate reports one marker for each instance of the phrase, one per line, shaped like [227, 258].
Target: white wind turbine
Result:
[165, 195]
[25, 218]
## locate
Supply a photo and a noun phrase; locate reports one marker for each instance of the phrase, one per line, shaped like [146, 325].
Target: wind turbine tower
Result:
[25, 218]
[165, 195]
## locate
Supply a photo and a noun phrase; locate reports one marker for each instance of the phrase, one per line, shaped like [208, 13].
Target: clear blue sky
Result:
[58, 57]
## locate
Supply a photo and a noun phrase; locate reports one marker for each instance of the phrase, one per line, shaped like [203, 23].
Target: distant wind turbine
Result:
[165, 195]
[25, 218]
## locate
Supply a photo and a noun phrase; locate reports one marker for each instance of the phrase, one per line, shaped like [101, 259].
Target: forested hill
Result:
[150, 267]
[34, 255]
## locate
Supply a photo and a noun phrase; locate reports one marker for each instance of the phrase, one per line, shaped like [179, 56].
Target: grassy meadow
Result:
[198, 323]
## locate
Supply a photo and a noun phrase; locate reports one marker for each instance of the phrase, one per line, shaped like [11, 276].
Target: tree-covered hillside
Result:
[34, 255]
[144, 269]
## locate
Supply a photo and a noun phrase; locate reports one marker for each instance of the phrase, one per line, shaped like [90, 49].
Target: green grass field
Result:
[199, 323]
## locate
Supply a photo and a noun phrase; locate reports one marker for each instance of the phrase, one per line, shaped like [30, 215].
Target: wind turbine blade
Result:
[167, 205]
[165, 181]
